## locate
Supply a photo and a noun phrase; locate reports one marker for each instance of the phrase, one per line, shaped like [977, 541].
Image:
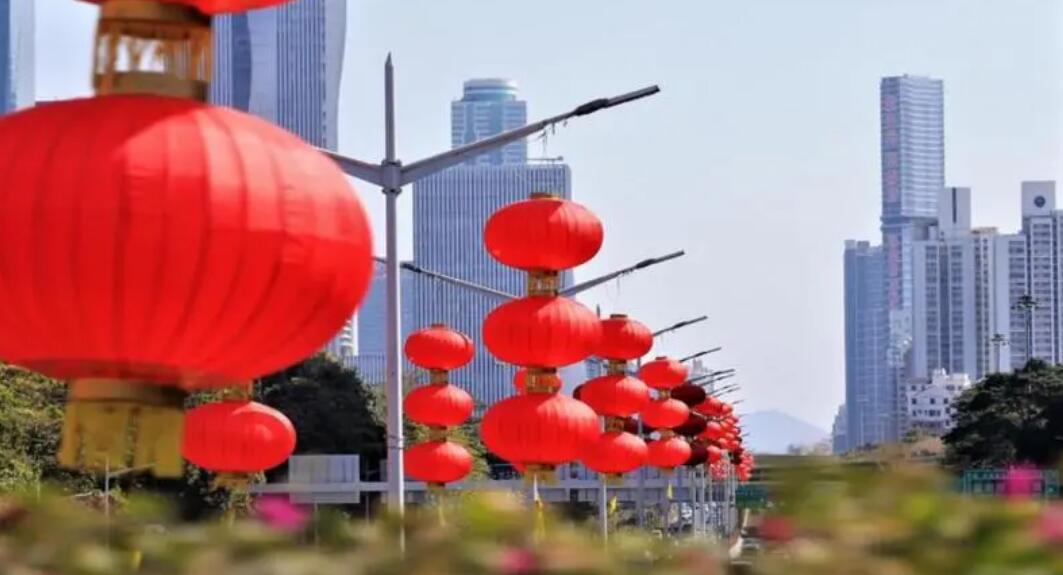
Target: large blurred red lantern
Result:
[615, 395]
[668, 453]
[614, 453]
[665, 413]
[188, 246]
[663, 373]
[439, 348]
[437, 462]
[544, 233]
[438, 405]
[541, 331]
[689, 393]
[239, 437]
[539, 429]
[623, 339]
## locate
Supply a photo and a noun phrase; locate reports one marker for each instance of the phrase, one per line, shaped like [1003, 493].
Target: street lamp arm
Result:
[483, 290]
[699, 354]
[680, 325]
[364, 171]
[430, 165]
[582, 287]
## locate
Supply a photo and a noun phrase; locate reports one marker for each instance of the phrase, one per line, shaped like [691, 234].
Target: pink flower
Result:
[1020, 481]
[517, 562]
[281, 514]
[1049, 527]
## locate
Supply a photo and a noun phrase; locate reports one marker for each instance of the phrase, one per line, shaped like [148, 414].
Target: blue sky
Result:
[759, 158]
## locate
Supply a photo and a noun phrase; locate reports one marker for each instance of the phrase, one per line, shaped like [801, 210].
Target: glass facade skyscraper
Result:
[870, 398]
[16, 55]
[284, 64]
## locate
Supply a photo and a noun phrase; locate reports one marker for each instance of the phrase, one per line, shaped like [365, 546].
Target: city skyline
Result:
[784, 142]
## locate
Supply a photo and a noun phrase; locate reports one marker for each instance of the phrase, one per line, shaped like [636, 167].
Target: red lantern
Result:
[437, 462]
[438, 405]
[711, 407]
[665, 413]
[615, 453]
[698, 455]
[215, 6]
[693, 426]
[663, 373]
[545, 429]
[185, 244]
[689, 394]
[439, 348]
[668, 453]
[726, 409]
[615, 395]
[713, 454]
[544, 233]
[237, 437]
[713, 431]
[624, 339]
[541, 331]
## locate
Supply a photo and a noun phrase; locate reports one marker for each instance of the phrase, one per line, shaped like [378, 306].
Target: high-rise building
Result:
[954, 293]
[839, 434]
[930, 401]
[16, 55]
[870, 398]
[370, 357]
[449, 213]
[284, 64]
[913, 174]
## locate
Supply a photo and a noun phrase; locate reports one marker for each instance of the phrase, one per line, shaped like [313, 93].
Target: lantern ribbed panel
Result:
[624, 339]
[541, 331]
[538, 428]
[437, 462]
[663, 373]
[665, 413]
[237, 437]
[615, 395]
[159, 239]
[668, 453]
[547, 234]
[439, 347]
[615, 453]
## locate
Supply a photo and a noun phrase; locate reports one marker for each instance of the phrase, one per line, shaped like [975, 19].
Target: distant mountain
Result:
[775, 432]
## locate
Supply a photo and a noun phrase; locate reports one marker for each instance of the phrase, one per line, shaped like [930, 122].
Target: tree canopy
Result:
[1008, 419]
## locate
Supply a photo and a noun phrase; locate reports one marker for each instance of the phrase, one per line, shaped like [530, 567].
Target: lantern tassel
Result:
[540, 512]
[669, 493]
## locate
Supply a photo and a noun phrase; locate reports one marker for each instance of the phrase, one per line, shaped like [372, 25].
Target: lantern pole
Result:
[391, 175]
[584, 286]
[640, 502]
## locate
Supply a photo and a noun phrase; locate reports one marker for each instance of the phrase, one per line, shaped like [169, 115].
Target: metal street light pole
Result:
[391, 175]
[699, 354]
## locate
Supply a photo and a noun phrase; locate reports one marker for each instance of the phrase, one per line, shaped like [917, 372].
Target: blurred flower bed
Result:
[486, 533]
[906, 521]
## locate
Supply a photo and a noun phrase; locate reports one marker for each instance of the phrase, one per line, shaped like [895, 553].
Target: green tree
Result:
[331, 409]
[1009, 418]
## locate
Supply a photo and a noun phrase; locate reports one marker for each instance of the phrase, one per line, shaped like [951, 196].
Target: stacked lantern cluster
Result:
[666, 413]
[541, 428]
[438, 405]
[617, 396]
[721, 434]
[153, 244]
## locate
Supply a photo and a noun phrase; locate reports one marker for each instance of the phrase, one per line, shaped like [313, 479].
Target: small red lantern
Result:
[713, 454]
[668, 453]
[698, 455]
[693, 425]
[541, 331]
[615, 453]
[711, 407]
[689, 393]
[544, 233]
[438, 405]
[439, 348]
[623, 339]
[539, 429]
[664, 373]
[665, 413]
[615, 395]
[239, 437]
[437, 462]
[712, 432]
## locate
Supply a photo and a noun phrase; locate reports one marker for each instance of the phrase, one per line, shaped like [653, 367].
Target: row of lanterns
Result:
[186, 247]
